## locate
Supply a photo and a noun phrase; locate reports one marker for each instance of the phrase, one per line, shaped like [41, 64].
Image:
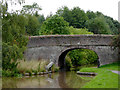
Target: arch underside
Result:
[61, 60]
[105, 54]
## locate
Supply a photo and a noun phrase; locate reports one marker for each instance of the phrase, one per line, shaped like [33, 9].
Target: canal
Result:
[53, 80]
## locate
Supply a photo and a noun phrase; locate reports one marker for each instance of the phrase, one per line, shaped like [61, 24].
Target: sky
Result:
[107, 7]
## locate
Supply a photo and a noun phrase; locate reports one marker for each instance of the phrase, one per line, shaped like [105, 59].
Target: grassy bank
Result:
[105, 78]
[113, 66]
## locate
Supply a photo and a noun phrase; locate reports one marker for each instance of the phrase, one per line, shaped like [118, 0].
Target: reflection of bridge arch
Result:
[50, 47]
[61, 60]
[62, 80]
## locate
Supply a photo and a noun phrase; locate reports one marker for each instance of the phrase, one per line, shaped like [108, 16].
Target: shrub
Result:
[77, 31]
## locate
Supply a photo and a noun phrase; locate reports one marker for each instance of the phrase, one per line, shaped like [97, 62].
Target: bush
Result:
[9, 73]
[77, 31]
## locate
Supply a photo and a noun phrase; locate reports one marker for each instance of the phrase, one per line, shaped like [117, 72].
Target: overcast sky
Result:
[107, 7]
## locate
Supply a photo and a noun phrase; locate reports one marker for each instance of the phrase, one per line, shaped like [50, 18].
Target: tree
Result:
[41, 19]
[14, 40]
[54, 25]
[98, 26]
[117, 25]
[33, 18]
[65, 13]
[32, 28]
[91, 14]
[31, 9]
[76, 17]
[113, 28]
[113, 24]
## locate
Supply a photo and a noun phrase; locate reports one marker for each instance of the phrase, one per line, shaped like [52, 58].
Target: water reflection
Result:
[54, 80]
[0, 83]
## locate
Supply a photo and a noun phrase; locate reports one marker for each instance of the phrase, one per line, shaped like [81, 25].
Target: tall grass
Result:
[32, 66]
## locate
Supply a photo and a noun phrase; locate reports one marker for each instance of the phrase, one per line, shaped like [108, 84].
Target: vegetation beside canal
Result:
[29, 68]
[105, 78]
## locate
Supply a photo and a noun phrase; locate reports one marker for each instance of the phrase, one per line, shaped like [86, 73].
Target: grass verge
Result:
[113, 66]
[104, 79]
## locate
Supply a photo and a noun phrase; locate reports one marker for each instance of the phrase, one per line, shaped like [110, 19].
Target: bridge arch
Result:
[61, 59]
[52, 47]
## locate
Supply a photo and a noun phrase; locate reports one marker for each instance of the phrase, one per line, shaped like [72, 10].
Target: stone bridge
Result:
[55, 47]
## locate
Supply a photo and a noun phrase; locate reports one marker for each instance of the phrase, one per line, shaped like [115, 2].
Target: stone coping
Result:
[39, 73]
[103, 35]
[86, 73]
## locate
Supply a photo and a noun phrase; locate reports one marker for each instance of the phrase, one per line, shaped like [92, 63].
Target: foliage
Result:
[9, 73]
[68, 63]
[41, 19]
[14, 40]
[113, 27]
[15, 2]
[31, 9]
[91, 15]
[95, 22]
[77, 31]
[32, 28]
[98, 25]
[116, 41]
[76, 17]
[54, 25]
[34, 19]
[10, 56]
[83, 57]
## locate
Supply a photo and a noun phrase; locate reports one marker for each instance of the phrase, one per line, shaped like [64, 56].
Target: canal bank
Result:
[105, 77]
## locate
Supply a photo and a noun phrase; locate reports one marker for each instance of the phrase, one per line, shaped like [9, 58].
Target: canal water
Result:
[53, 80]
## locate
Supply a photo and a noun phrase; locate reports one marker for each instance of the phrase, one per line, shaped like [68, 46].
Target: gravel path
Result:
[118, 72]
